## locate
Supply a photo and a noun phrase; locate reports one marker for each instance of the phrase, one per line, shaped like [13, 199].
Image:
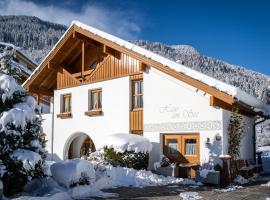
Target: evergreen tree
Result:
[22, 151]
[7, 65]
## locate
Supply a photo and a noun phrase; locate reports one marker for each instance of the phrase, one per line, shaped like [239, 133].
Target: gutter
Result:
[254, 136]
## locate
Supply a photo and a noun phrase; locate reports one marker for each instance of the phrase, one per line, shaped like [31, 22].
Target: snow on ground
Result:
[122, 142]
[229, 188]
[103, 177]
[190, 195]
[266, 185]
[57, 196]
[265, 158]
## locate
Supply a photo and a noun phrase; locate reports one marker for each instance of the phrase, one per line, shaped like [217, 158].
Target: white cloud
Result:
[116, 22]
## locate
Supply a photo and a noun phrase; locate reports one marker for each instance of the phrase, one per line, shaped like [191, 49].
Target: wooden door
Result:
[182, 148]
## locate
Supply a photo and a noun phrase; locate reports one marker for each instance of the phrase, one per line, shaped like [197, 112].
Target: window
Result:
[65, 111]
[66, 103]
[95, 99]
[190, 147]
[137, 94]
[172, 146]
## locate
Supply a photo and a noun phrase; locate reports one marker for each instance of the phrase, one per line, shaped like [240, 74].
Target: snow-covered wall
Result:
[171, 106]
[115, 118]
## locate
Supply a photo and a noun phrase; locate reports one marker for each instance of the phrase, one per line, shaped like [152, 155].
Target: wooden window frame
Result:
[139, 95]
[98, 111]
[63, 114]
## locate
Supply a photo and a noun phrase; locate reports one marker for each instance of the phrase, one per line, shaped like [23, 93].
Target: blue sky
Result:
[236, 31]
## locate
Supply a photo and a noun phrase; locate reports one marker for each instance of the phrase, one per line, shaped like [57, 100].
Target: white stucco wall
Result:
[47, 129]
[246, 146]
[115, 118]
[171, 106]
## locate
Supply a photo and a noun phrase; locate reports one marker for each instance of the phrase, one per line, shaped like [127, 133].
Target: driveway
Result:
[247, 192]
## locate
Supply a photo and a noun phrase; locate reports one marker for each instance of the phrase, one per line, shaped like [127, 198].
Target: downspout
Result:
[52, 136]
[254, 137]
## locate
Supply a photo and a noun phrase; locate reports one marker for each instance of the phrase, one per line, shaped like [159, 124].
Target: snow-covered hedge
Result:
[127, 150]
[73, 172]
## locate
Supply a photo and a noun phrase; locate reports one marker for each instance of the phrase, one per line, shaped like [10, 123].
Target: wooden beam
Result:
[83, 60]
[40, 91]
[142, 66]
[215, 102]
[67, 53]
[113, 52]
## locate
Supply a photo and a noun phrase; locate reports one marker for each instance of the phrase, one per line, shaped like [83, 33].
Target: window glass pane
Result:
[100, 100]
[172, 146]
[136, 87]
[93, 101]
[135, 102]
[141, 101]
[66, 102]
[190, 147]
[141, 88]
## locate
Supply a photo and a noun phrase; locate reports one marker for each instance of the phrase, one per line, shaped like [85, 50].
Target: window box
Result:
[93, 112]
[64, 115]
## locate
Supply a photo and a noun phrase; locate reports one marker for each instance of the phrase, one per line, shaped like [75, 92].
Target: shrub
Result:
[128, 159]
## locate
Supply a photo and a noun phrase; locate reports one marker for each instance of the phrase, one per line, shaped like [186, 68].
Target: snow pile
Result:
[122, 142]
[240, 180]
[28, 158]
[204, 172]
[190, 195]
[266, 185]
[73, 171]
[127, 177]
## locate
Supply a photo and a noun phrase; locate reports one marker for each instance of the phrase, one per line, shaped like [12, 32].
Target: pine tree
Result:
[22, 151]
[235, 132]
[7, 65]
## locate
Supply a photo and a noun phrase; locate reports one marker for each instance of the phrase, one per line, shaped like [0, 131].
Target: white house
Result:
[100, 84]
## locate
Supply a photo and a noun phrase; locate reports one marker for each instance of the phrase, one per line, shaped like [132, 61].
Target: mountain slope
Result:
[35, 37]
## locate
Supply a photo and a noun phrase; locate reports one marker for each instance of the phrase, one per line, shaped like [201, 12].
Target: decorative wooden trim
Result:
[136, 120]
[136, 76]
[93, 112]
[64, 115]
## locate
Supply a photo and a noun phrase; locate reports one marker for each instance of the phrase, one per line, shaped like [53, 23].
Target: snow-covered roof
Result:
[17, 49]
[238, 94]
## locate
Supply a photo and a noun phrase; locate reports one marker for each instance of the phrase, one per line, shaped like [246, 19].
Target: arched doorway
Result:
[78, 146]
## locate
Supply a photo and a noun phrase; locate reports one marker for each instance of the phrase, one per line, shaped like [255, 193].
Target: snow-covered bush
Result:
[74, 172]
[128, 159]
[21, 148]
[127, 150]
